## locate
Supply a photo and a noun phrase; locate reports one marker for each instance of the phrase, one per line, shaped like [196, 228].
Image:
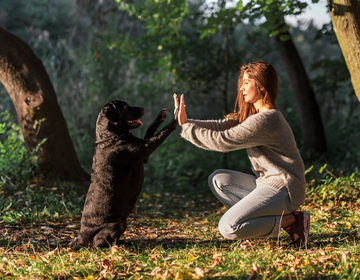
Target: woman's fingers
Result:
[182, 103]
[176, 101]
[182, 114]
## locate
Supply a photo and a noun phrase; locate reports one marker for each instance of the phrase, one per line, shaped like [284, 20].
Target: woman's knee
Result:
[213, 177]
[227, 231]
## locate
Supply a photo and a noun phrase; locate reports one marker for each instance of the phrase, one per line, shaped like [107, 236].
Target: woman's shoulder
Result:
[271, 115]
[271, 120]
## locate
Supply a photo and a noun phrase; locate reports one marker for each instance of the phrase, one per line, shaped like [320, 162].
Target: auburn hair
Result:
[266, 81]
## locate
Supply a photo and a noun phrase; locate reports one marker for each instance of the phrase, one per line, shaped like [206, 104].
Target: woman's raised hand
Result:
[182, 117]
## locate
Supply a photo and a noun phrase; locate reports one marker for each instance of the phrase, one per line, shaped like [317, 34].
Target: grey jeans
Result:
[254, 212]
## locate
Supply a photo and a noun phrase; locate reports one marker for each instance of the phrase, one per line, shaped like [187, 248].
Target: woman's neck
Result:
[260, 106]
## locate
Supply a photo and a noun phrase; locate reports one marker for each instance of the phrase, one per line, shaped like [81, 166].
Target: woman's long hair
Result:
[265, 78]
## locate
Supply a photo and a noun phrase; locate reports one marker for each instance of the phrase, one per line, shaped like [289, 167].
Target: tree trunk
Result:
[226, 80]
[310, 117]
[345, 16]
[40, 117]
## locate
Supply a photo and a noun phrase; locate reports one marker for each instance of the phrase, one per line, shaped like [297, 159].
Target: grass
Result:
[175, 236]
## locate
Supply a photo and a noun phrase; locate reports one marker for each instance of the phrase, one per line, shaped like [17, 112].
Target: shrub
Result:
[15, 165]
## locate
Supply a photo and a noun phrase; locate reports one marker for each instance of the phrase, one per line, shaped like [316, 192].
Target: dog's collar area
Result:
[113, 137]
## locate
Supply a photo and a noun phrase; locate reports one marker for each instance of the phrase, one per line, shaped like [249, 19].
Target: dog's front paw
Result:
[176, 114]
[161, 116]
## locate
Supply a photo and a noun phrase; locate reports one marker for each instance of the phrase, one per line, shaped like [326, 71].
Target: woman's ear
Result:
[261, 89]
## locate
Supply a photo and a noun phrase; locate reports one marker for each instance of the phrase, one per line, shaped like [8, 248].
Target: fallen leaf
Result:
[191, 258]
[246, 245]
[107, 265]
[146, 196]
[199, 272]
[345, 254]
[154, 257]
[107, 271]
[52, 253]
[322, 252]
[296, 264]
[167, 274]
[69, 250]
[72, 254]
[346, 225]
[32, 257]
[44, 259]
[216, 259]
[71, 226]
[115, 249]
[323, 259]
[46, 228]
[219, 274]
[182, 275]
[156, 271]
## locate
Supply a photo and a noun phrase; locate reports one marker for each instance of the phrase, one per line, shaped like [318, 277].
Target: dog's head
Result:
[120, 116]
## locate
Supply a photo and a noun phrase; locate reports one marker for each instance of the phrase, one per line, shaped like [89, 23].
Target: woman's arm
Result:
[216, 125]
[257, 130]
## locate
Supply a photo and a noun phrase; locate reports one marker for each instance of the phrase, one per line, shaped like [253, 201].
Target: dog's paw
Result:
[162, 115]
[176, 114]
[76, 244]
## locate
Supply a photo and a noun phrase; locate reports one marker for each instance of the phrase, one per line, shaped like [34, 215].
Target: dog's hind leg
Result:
[110, 233]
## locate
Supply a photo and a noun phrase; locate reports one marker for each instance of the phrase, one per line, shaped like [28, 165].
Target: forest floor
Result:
[175, 236]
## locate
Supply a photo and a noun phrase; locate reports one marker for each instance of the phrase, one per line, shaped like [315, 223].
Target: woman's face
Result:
[249, 90]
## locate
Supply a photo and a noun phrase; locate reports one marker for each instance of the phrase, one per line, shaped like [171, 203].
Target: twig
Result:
[331, 174]
[278, 237]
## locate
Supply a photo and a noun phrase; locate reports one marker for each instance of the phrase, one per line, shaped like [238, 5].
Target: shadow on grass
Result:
[334, 240]
[48, 235]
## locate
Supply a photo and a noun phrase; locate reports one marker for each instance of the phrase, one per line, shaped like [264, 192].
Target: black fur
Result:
[117, 173]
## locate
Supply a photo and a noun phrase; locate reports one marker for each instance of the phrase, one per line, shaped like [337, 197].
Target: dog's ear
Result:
[111, 112]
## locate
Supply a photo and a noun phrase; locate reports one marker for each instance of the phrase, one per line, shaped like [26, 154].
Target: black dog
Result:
[117, 173]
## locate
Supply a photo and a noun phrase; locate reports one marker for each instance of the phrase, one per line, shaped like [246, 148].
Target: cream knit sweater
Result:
[270, 145]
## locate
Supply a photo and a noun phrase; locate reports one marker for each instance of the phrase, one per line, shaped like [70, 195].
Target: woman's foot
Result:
[299, 231]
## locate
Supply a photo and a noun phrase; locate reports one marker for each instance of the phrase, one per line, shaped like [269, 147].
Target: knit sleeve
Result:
[254, 131]
[215, 125]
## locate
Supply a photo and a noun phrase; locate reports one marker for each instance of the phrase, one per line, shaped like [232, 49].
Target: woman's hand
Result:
[182, 117]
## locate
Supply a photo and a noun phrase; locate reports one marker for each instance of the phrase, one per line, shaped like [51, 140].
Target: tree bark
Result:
[226, 80]
[40, 117]
[310, 117]
[345, 16]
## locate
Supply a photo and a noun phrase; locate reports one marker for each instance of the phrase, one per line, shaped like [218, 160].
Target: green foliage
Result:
[38, 202]
[139, 54]
[336, 190]
[15, 166]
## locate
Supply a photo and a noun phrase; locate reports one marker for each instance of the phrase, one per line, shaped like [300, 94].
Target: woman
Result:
[262, 204]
